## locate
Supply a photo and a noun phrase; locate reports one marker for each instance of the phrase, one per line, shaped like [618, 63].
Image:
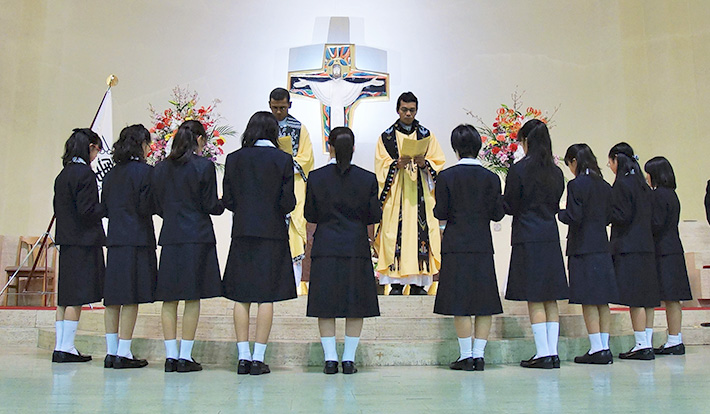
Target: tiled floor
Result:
[30, 383]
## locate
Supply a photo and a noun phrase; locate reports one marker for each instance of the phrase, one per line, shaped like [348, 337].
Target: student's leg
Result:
[190, 318]
[650, 313]
[241, 329]
[264, 319]
[129, 314]
[353, 329]
[552, 316]
[168, 318]
[592, 319]
[674, 317]
[538, 320]
[71, 323]
[638, 322]
[326, 327]
[463, 332]
[482, 328]
[59, 329]
[111, 317]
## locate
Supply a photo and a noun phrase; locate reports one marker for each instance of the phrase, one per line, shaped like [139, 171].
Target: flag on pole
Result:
[103, 126]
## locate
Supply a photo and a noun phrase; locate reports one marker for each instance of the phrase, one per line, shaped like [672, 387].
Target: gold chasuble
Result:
[294, 140]
[407, 240]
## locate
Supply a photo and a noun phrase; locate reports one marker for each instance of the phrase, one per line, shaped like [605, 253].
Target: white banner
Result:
[103, 125]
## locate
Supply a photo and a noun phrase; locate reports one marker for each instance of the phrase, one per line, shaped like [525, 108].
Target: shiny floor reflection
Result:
[30, 383]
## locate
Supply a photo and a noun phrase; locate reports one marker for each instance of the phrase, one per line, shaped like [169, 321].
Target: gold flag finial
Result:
[112, 80]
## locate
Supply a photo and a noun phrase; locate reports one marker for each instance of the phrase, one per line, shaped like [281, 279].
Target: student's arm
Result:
[310, 208]
[211, 204]
[228, 186]
[87, 197]
[622, 207]
[573, 213]
[513, 192]
[497, 209]
[443, 198]
[287, 201]
[374, 206]
[146, 205]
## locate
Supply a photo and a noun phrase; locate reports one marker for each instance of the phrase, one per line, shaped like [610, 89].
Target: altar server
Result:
[131, 265]
[592, 282]
[632, 247]
[258, 189]
[342, 200]
[533, 189]
[468, 198]
[185, 193]
[670, 258]
[81, 237]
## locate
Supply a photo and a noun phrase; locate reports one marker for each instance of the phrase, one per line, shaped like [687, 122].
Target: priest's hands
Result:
[403, 162]
[420, 161]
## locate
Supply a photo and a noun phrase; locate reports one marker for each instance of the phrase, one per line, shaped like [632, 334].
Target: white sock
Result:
[605, 340]
[479, 346]
[329, 351]
[112, 344]
[351, 343]
[186, 349]
[124, 348]
[680, 337]
[298, 272]
[259, 351]
[68, 335]
[540, 334]
[171, 349]
[553, 334]
[595, 342]
[673, 340]
[58, 331]
[640, 337]
[244, 351]
[649, 337]
[465, 348]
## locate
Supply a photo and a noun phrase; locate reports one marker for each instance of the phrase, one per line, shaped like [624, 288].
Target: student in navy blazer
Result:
[81, 237]
[670, 258]
[533, 189]
[258, 189]
[131, 265]
[342, 199]
[592, 282]
[468, 198]
[185, 193]
[632, 247]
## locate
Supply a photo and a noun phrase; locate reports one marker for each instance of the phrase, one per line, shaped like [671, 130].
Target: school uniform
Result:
[185, 195]
[468, 197]
[670, 258]
[342, 283]
[632, 248]
[131, 264]
[79, 234]
[537, 271]
[591, 270]
[258, 189]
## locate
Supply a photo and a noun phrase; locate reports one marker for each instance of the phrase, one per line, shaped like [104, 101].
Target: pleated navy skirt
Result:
[467, 285]
[81, 275]
[342, 287]
[637, 279]
[592, 280]
[537, 273]
[188, 271]
[131, 275]
[673, 277]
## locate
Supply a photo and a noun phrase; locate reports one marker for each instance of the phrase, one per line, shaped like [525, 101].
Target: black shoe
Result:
[109, 360]
[478, 364]
[69, 357]
[185, 365]
[542, 362]
[55, 356]
[170, 365]
[671, 350]
[244, 367]
[331, 367]
[602, 357]
[644, 354]
[396, 290]
[258, 368]
[465, 364]
[122, 362]
[416, 290]
[348, 367]
[555, 361]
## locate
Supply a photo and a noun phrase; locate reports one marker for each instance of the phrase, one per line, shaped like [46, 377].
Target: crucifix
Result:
[327, 72]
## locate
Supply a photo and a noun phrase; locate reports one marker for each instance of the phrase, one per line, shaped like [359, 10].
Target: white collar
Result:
[333, 161]
[78, 160]
[469, 161]
[264, 143]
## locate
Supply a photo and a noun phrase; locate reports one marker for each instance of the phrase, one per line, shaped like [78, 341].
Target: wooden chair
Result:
[27, 282]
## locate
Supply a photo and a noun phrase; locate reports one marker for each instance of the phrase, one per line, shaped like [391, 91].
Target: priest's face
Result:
[279, 108]
[407, 111]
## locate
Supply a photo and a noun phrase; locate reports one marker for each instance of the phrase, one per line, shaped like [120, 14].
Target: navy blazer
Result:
[468, 197]
[631, 215]
[77, 207]
[587, 214]
[258, 189]
[533, 207]
[342, 206]
[185, 195]
[666, 214]
[128, 204]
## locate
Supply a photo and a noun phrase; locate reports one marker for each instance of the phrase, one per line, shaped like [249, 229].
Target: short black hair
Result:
[78, 145]
[466, 141]
[407, 97]
[586, 160]
[261, 125]
[279, 94]
[661, 172]
[130, 144]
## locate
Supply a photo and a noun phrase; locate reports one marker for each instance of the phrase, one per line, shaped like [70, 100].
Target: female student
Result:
[258, 189]
[632, 247]
[131, 265]
[592, 282]
[670, 259]
[185, 194]
[80, 235]
[342, 200]
[468, 197]
[533, 189]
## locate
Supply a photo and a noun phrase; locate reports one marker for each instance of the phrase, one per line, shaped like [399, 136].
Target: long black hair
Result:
[261, 125]
[466, 141]
[185, 141]
[626, 163]
[78, 145]
[130, 144]
[585, 159]
[661, 173]
[542, 164]
[342, 139]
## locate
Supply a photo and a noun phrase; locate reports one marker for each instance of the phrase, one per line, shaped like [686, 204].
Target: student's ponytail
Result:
[342, 140]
